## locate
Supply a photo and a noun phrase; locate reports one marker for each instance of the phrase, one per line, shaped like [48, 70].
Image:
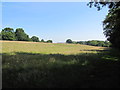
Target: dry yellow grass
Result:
[46, 48]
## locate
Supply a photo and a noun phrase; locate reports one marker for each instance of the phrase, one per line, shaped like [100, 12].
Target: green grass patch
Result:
[90, 67]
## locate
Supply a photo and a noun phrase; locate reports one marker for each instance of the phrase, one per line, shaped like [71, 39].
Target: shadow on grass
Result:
[88, 70]
[105, 50]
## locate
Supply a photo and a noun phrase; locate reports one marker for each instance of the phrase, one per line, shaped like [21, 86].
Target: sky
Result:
[45, 0]
[57, 21]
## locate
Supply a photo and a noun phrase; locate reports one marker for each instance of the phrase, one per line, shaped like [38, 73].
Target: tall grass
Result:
[29, 68]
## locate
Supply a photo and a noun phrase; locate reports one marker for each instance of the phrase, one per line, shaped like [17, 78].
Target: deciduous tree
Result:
[35, 39]
[21, 35]
[8, 34]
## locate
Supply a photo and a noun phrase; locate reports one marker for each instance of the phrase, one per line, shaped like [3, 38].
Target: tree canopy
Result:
[111, 24]
[69, 41]
[35, 39]
[93, 43]
[18, 35]
[42, 40]
[49, 41]
[99, 4]
[21, 35]
[8, 34]
[112, 27]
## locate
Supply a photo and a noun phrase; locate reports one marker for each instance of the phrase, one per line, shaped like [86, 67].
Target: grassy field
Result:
[45, 65]
[46, 48]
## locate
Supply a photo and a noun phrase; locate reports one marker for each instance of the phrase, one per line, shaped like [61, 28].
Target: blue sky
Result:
[58, 21]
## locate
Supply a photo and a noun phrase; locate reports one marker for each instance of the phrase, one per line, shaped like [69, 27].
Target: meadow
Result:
[47, 65]
[46, 48]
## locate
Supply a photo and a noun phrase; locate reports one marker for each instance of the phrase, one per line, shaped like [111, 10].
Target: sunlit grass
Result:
[46, 65]
[47, 48]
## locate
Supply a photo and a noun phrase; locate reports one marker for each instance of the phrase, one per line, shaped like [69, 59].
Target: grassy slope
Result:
[46, 48]
[33, 65]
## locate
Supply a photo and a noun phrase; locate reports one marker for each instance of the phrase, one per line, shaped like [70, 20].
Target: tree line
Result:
[19, 35]
[91, 42]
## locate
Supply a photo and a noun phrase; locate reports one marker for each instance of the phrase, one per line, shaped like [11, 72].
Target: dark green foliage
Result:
[8, 34]
[74, 42]
[21, 35]
[88, 70]
[81, 42]
[0, 36]
[18, 35]
[94, 43]
[112, 21]
[98, 43]
[99, 4]
[69, 41]
[42, 40]
[35, 39]
[112, 27]
[49, 41]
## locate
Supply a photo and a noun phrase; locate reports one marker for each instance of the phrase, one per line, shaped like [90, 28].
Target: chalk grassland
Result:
[47, 48]
[45, 65]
